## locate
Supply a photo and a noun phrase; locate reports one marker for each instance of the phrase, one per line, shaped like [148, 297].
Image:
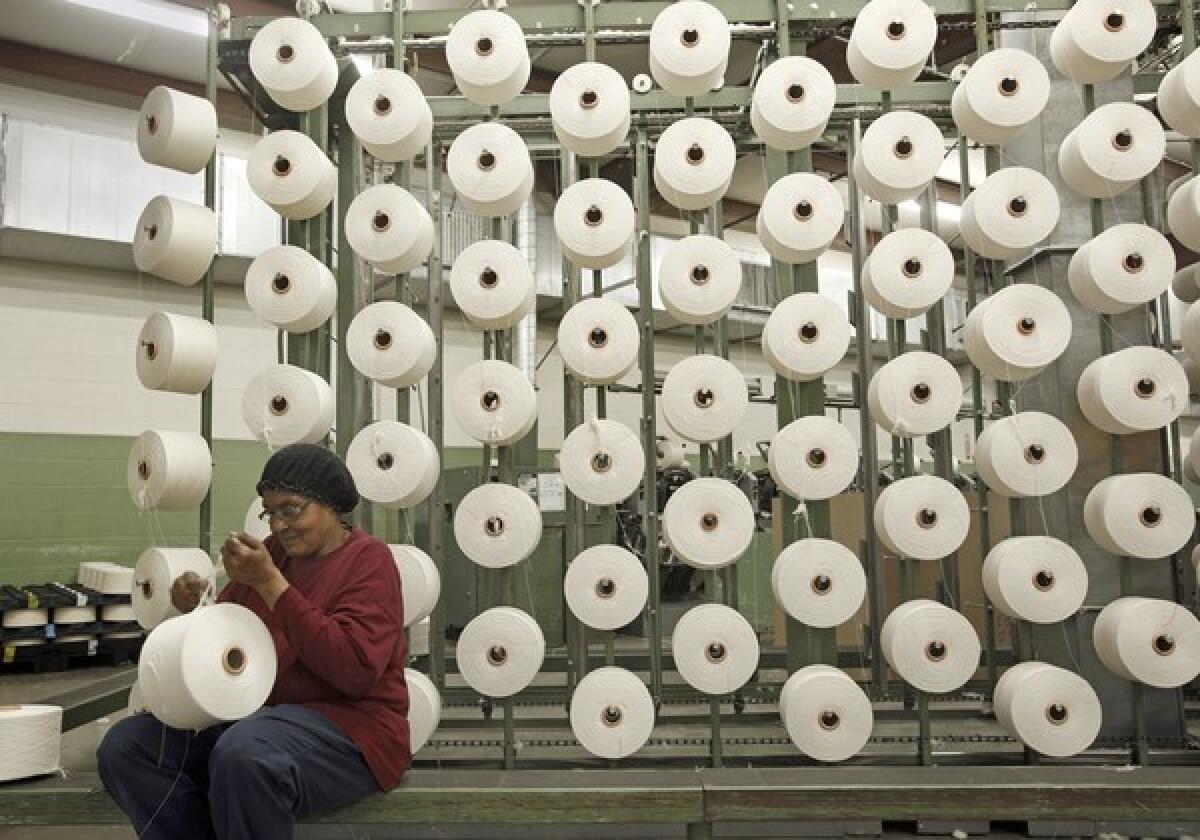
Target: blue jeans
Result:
[244, 781]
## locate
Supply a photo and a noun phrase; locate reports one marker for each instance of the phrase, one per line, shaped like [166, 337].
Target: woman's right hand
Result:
[187, 590]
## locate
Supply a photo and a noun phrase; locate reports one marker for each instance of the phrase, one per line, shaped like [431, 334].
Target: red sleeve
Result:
[351, 642]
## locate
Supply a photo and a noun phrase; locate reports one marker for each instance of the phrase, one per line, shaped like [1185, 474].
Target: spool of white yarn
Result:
[175, 240]
[1142, 515]
[715, 649]
[930, 646]
[598, 340]
[64, 617]
[1124, 266]
[671, 453]
[818, 582]
[602, 462]
[487, 54]
[827, 716]
[287, 404]
[490, 168]
[923, 517]
[494, 402]
[689, 48]
[119, 613]
[1191, 333]
[915, 394]
[137, 701]
[1179, 97]
[1149, 641]
[1192, 371]
[589, 108]
[1017, 332]
[497, 525]
[693, 162]
[1048, 709]
[792, 102]
[1193, 458]
[418, 639]
[290, 288]
[1184, 285]
[805, 336]
[36, 617]
[708, 523]
[393, 464]
[176, 353]
[1114, 147]
[424, 709]
[813, 458]
[594, 222]
[606, 587]
[500, 651]
[899, 155]
[389, 228]
[107, 579]
[420, 582]
[704, 398]
[176, 129]
[1013, 210]
[32, 738]
[290, 59]
[699, 279]
[388, 113]
[253, 524]
[289, 172]
[1027, 454]
[1137, 389]
[1098, 39]
[1003, 92]
[156, 571]
[211, 665]
[799, 217]
[612, 713]
[493, 285]
[1037, 579]
[890, 43]
[168, 470]
[1183, 214]
[907, 272]
[390, 344]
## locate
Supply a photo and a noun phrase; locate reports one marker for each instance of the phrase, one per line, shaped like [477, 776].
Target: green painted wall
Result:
[63, 499]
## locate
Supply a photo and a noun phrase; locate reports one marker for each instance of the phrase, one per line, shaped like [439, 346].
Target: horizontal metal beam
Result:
[626, 14]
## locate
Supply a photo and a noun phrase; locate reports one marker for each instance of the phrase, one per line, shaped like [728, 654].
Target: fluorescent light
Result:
[168, 15]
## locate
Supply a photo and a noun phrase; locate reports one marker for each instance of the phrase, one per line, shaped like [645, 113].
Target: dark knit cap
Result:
[312, 471]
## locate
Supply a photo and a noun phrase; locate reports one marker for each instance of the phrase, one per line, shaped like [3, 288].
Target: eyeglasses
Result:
[288, 513]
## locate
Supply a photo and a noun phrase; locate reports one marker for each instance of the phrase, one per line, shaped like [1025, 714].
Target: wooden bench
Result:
[851, 800]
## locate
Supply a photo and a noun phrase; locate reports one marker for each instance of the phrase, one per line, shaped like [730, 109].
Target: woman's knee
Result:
[129, 740]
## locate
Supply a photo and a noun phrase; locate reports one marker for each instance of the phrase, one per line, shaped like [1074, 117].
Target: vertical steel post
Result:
[866, 426]
[208, 300]
[437, 424]
[649, 423]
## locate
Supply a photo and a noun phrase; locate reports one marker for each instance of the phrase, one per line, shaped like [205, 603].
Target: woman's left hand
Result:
[248, 562]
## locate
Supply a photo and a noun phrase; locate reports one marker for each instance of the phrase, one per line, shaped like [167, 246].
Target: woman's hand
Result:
[248, 562]
[187, 590]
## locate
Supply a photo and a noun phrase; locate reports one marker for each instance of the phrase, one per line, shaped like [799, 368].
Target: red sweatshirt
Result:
[339, 636]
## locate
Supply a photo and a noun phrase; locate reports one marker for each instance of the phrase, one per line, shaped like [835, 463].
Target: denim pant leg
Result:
[281, 763]
[159, 776]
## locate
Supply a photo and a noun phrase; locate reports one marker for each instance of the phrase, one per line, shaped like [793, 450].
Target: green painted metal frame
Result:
[651, 112]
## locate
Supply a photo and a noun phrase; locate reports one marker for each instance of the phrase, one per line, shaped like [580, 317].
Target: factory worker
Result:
[335, 727]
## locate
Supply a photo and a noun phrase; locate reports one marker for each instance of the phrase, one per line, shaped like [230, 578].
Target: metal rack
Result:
[784, 28]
